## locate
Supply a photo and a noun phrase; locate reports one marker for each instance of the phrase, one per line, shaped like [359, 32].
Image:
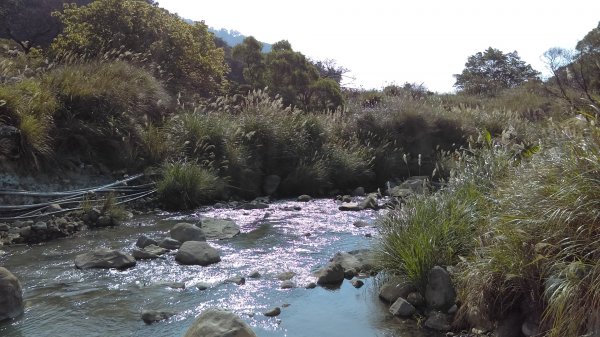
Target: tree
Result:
[329, 69]
[184, 55]
[488, 72]
[250, 55]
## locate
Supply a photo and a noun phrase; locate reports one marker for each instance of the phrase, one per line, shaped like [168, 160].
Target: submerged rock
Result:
[151, 316]
[11, 296]
[219, 323]
[273, 312]
[197, 253]
[349, 206]
[104, 258]
[287, 275]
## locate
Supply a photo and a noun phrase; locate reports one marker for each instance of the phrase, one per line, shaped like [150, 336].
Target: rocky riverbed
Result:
[267, 275]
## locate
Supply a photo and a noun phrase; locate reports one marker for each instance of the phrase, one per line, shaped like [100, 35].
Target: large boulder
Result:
[439, 292]
[197, 253]
[104, 258]
[11, 296]
[183, 232]
[332, 273]
[219, 323]
[143, 241]
[219, 229]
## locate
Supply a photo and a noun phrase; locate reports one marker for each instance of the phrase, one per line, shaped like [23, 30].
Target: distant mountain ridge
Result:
[232, 37]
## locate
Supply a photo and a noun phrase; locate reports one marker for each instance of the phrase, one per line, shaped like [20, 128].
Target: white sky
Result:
[420, 41]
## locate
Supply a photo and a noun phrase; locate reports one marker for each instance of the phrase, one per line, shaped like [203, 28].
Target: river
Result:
[64, 301]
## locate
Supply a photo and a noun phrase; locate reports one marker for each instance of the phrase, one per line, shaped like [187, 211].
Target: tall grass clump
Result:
[541, 255]
[186, 185]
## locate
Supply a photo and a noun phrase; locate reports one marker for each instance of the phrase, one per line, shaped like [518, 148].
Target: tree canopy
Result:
[488, 72]
[184, 54]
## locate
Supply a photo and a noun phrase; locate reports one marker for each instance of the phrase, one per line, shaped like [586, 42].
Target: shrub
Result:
[185, 185]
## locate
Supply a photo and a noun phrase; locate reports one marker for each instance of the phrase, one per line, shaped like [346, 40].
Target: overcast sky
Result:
[420, 41]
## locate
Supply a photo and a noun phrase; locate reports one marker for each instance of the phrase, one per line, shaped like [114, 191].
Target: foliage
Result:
[184, 55]
[185, 185]
[250, 55]
[488, 72]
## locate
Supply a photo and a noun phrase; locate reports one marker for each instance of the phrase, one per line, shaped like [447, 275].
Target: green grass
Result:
[185, 185]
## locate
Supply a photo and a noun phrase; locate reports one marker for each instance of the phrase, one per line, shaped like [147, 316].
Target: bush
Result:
[185, 185]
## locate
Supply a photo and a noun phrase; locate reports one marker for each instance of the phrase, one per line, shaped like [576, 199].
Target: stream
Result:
[64, 301]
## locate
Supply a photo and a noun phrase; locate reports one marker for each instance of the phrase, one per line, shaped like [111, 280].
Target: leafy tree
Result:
[488, 72]
[250, 55]
[184, 54]
[329, 69]
[290, 74]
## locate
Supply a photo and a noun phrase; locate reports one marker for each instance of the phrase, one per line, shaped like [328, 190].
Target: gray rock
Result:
[311, 285]
[304, 198]
[104, 258]
[401, 193]
[360, 223]
[357, 261]
[11, 296]
[144, 241]
[103, 221]
[370, 202]
[271, 183]
[169, 243]
[150, 252]
[453, 309]
[288, 284]
[239, 280]
[40, 226]
[183, 232]
[219, 229]
[202, 286]
[358, 192]
[394, 289]
[53, 208]
[357, 283]
[347, 198]
[417, 184]
[287, 275]
[438, 321]
[349, 206]
[273, 312]
[151, 316]
[402, 308]
[219, 323]
[416, 299]
[332, 273]
[26, 232]
[254, 274]
[197, 253]
[439, 292]
[4, 227]
[254, 205]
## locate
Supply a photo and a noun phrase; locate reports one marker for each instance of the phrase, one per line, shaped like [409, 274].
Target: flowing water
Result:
[64, 301]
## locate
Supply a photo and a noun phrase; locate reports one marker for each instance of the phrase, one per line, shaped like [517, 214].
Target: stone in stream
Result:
[273, 312]
[360, 223]
[370, 202]
[150, 252]
[143, 241]
[402, 308]
[202, 286]
[304, 198]
[287, 275]
[355, 261]
[288, 284]
[332, 273]
[151, 316]
[254, 274]
[11, 296]
[219, 323]
[183, 232]
[219, 229]
[394, 289]
[311, 285]
[104, 258]
[169, 243]
[239, 280]
[357, 283]
[197, 253]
